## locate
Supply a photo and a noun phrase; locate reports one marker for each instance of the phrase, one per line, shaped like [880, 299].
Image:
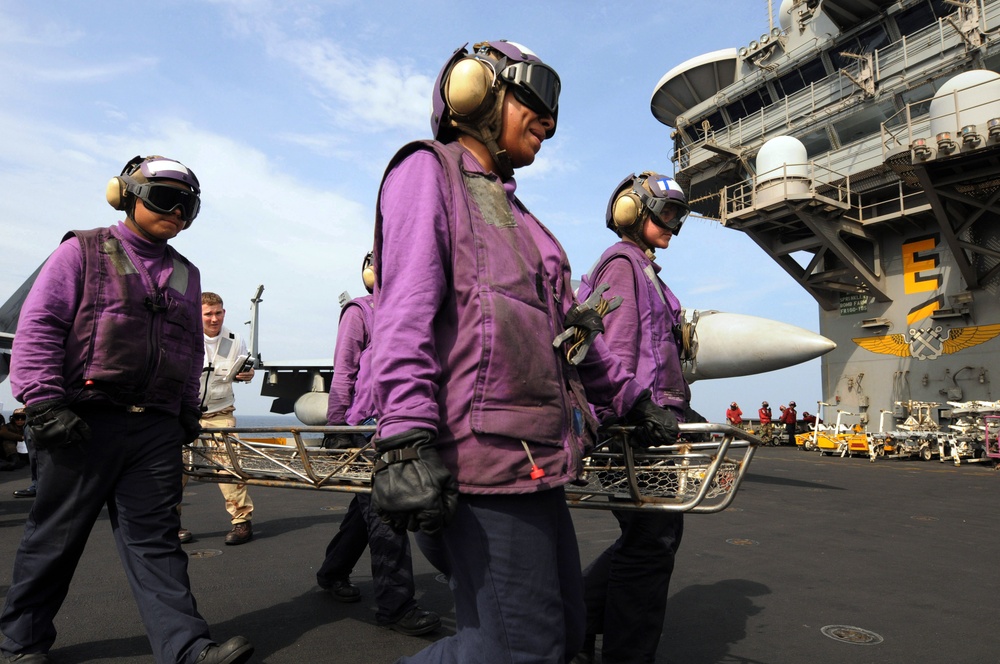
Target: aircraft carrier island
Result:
[857, 142]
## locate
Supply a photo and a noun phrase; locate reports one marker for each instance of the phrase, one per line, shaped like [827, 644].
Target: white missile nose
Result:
[739, 345]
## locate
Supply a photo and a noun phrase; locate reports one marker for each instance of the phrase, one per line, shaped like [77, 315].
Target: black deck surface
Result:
[904, 551]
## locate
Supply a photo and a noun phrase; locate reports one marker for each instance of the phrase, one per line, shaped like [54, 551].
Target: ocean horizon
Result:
[268, 420]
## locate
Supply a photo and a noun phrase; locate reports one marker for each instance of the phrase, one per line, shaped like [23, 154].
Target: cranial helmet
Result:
[139, 178]
[467, 94]
[647, 193]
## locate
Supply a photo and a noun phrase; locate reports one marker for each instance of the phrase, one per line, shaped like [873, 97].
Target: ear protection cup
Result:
[116, 194]
[368, 273]
[468, 90]
[627, 209]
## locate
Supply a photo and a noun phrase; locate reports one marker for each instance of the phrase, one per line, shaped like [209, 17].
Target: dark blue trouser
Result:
[133, 466]
[392, 566]
[515, 575]
[626, 587]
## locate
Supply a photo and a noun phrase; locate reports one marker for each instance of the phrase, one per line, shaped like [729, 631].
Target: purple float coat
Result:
[79, 323]
[350, 388]
[641, 331]
[471, 291]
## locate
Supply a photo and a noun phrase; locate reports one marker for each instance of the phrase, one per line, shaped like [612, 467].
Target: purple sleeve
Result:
[622, 327]
[46, 317]
[351, 342]
[617, 349]
[414, 274]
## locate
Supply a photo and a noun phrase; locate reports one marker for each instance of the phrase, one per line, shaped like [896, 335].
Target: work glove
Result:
[53, 424]
[652, 424]
[411, 488]
[344, 441]
[190, 420]
[583, 322]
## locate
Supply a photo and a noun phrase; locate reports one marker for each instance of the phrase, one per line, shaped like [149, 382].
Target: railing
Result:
[899, 58]
[819, 182]
[698, 477]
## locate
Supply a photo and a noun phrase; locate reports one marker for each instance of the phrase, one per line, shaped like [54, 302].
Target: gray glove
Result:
[53, 424]
[411, 488]
[653, 425]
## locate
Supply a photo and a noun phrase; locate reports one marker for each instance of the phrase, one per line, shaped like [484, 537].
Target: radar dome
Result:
[785, 15]
[782, 156]
[977, 95]
[782, 170]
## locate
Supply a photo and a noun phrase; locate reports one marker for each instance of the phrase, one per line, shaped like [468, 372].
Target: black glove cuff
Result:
[409, 438]
[41, 408]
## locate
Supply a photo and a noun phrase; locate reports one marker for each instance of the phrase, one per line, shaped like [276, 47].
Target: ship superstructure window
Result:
[920, 97]
[865, 122]
[753, 102]
[715, 123]
[799, 78]
[866, 42]
[816, 141]
[921, 15]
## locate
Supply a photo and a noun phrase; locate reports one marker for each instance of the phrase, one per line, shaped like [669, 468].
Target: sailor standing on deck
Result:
[626, 587]
[106, 358]
[482, 421]
[225, 352]
[351, 404]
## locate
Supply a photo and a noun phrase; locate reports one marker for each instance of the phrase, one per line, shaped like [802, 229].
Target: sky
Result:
[288, 112]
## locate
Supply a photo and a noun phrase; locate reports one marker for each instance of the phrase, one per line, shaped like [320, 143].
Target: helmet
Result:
[647, 193]
[791, 404]
[733, 405]
[467, 93]
[467, 83]
[138, 180]
[764, 405]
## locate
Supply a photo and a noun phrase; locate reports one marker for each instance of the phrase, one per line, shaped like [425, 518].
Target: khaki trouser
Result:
[238, 501]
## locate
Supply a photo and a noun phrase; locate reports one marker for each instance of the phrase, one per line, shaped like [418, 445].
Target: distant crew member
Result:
[223, 349]
[766, 428]
[787, 418]
[734, 415]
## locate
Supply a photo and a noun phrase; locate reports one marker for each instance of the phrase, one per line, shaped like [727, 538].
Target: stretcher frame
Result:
[697, 477]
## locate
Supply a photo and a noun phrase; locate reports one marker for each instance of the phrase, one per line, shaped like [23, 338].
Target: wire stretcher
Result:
[697, 477]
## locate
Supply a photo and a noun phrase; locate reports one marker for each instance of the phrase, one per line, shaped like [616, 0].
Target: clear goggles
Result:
[164, 198]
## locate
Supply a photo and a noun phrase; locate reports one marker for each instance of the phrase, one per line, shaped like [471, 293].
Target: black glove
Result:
[344, 441]
[411, 488]
[190, 420]
[53, 424]
[653, 425]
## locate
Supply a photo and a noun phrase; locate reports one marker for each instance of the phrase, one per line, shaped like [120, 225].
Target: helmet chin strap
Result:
[635, 235]
[487, 130]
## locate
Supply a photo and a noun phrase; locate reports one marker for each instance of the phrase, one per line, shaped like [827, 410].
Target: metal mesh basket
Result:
[695, 477]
